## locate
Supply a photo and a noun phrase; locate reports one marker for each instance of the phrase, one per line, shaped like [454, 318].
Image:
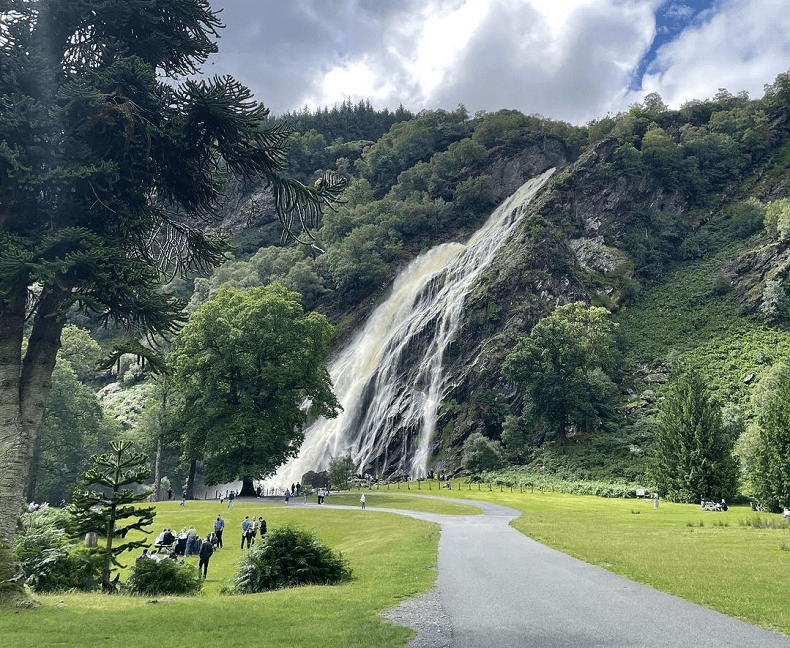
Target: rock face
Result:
[570, 234]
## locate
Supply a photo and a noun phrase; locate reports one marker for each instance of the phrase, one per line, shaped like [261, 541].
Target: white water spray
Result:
[390, 379]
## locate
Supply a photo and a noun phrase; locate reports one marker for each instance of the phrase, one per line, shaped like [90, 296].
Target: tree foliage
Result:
[243, 367]
[481, 453]
[340, 471]
[563, 365]
[771, 476]
[692, 453]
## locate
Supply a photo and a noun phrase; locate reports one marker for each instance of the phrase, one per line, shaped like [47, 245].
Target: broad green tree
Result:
[103, 504]
[771, 476]
[563, 364]
[692, 456]
[110, 157]
[481, 453]
[242, 369]
[340, 471]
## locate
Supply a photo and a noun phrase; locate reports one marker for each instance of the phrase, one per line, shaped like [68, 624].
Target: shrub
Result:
[49, 560]
[288, 557]
[164, 577]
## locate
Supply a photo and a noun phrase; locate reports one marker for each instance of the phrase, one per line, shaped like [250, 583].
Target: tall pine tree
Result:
[772, 466]
[692, 453]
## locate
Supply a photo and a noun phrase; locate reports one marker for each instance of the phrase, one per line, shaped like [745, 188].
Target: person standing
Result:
[231, 498]
[362, 501]
[655, 500]
[205, 553]
[245, 526]
[262, 526]
[219, 527]
[183, 496]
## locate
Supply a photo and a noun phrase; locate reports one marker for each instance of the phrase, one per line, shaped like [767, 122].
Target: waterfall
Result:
[390, 379]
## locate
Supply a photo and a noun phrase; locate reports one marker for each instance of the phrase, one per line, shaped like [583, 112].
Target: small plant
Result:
[288, 557]
[759, 522]
[635, 512]
[166, 576]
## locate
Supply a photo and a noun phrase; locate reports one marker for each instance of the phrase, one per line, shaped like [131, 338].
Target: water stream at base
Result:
[390, 379]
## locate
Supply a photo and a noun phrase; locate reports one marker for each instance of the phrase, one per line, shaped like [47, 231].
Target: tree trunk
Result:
[191, 479]
[247, 487]
[24, 389]
[157, 462]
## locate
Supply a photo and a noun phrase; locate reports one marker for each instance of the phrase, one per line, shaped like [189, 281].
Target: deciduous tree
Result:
[243, 367]
[563, 365]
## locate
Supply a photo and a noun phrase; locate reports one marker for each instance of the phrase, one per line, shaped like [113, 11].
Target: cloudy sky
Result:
[572, 60]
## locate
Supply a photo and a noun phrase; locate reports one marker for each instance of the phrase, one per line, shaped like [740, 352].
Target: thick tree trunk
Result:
[247, 487]
[24, 388]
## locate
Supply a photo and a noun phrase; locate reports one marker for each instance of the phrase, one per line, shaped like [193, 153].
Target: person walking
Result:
[362, 501]
[205, 553]
[183, 497]
[219, 527]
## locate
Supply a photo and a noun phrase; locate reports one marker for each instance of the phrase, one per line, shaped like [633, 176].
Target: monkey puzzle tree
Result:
[109, 158]
[110, 510]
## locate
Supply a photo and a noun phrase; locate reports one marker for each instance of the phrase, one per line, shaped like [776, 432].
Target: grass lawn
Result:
[393, 557]
[721, 560]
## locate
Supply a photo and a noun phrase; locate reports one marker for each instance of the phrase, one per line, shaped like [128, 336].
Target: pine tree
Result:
[110, 510]
[692, 454]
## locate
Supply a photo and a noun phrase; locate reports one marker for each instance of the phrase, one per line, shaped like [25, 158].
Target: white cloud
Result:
[743, 47]
[565, 59]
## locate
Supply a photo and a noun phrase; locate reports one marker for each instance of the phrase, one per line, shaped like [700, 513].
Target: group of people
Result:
[713, 506]
[191, 543]
[250, 529]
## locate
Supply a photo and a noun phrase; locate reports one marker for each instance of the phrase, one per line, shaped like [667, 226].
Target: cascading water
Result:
[390, 378]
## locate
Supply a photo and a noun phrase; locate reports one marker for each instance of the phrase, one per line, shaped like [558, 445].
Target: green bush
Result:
[288, 557]
[165, 576]
[49, 559]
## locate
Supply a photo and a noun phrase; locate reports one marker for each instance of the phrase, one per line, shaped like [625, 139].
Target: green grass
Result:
[393, 557]
[396, 500]
[737, 562]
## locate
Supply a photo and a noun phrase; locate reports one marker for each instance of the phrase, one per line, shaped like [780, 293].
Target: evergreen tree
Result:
[109, 160]
[771, 476]
[692, 454]
[110, 510]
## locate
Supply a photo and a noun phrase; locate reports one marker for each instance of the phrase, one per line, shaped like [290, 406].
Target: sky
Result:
[568, 60]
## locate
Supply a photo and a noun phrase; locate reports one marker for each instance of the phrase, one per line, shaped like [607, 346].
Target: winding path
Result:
[500, 589]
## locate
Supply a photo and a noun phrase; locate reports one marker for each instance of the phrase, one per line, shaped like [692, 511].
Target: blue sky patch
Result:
[672, 18]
